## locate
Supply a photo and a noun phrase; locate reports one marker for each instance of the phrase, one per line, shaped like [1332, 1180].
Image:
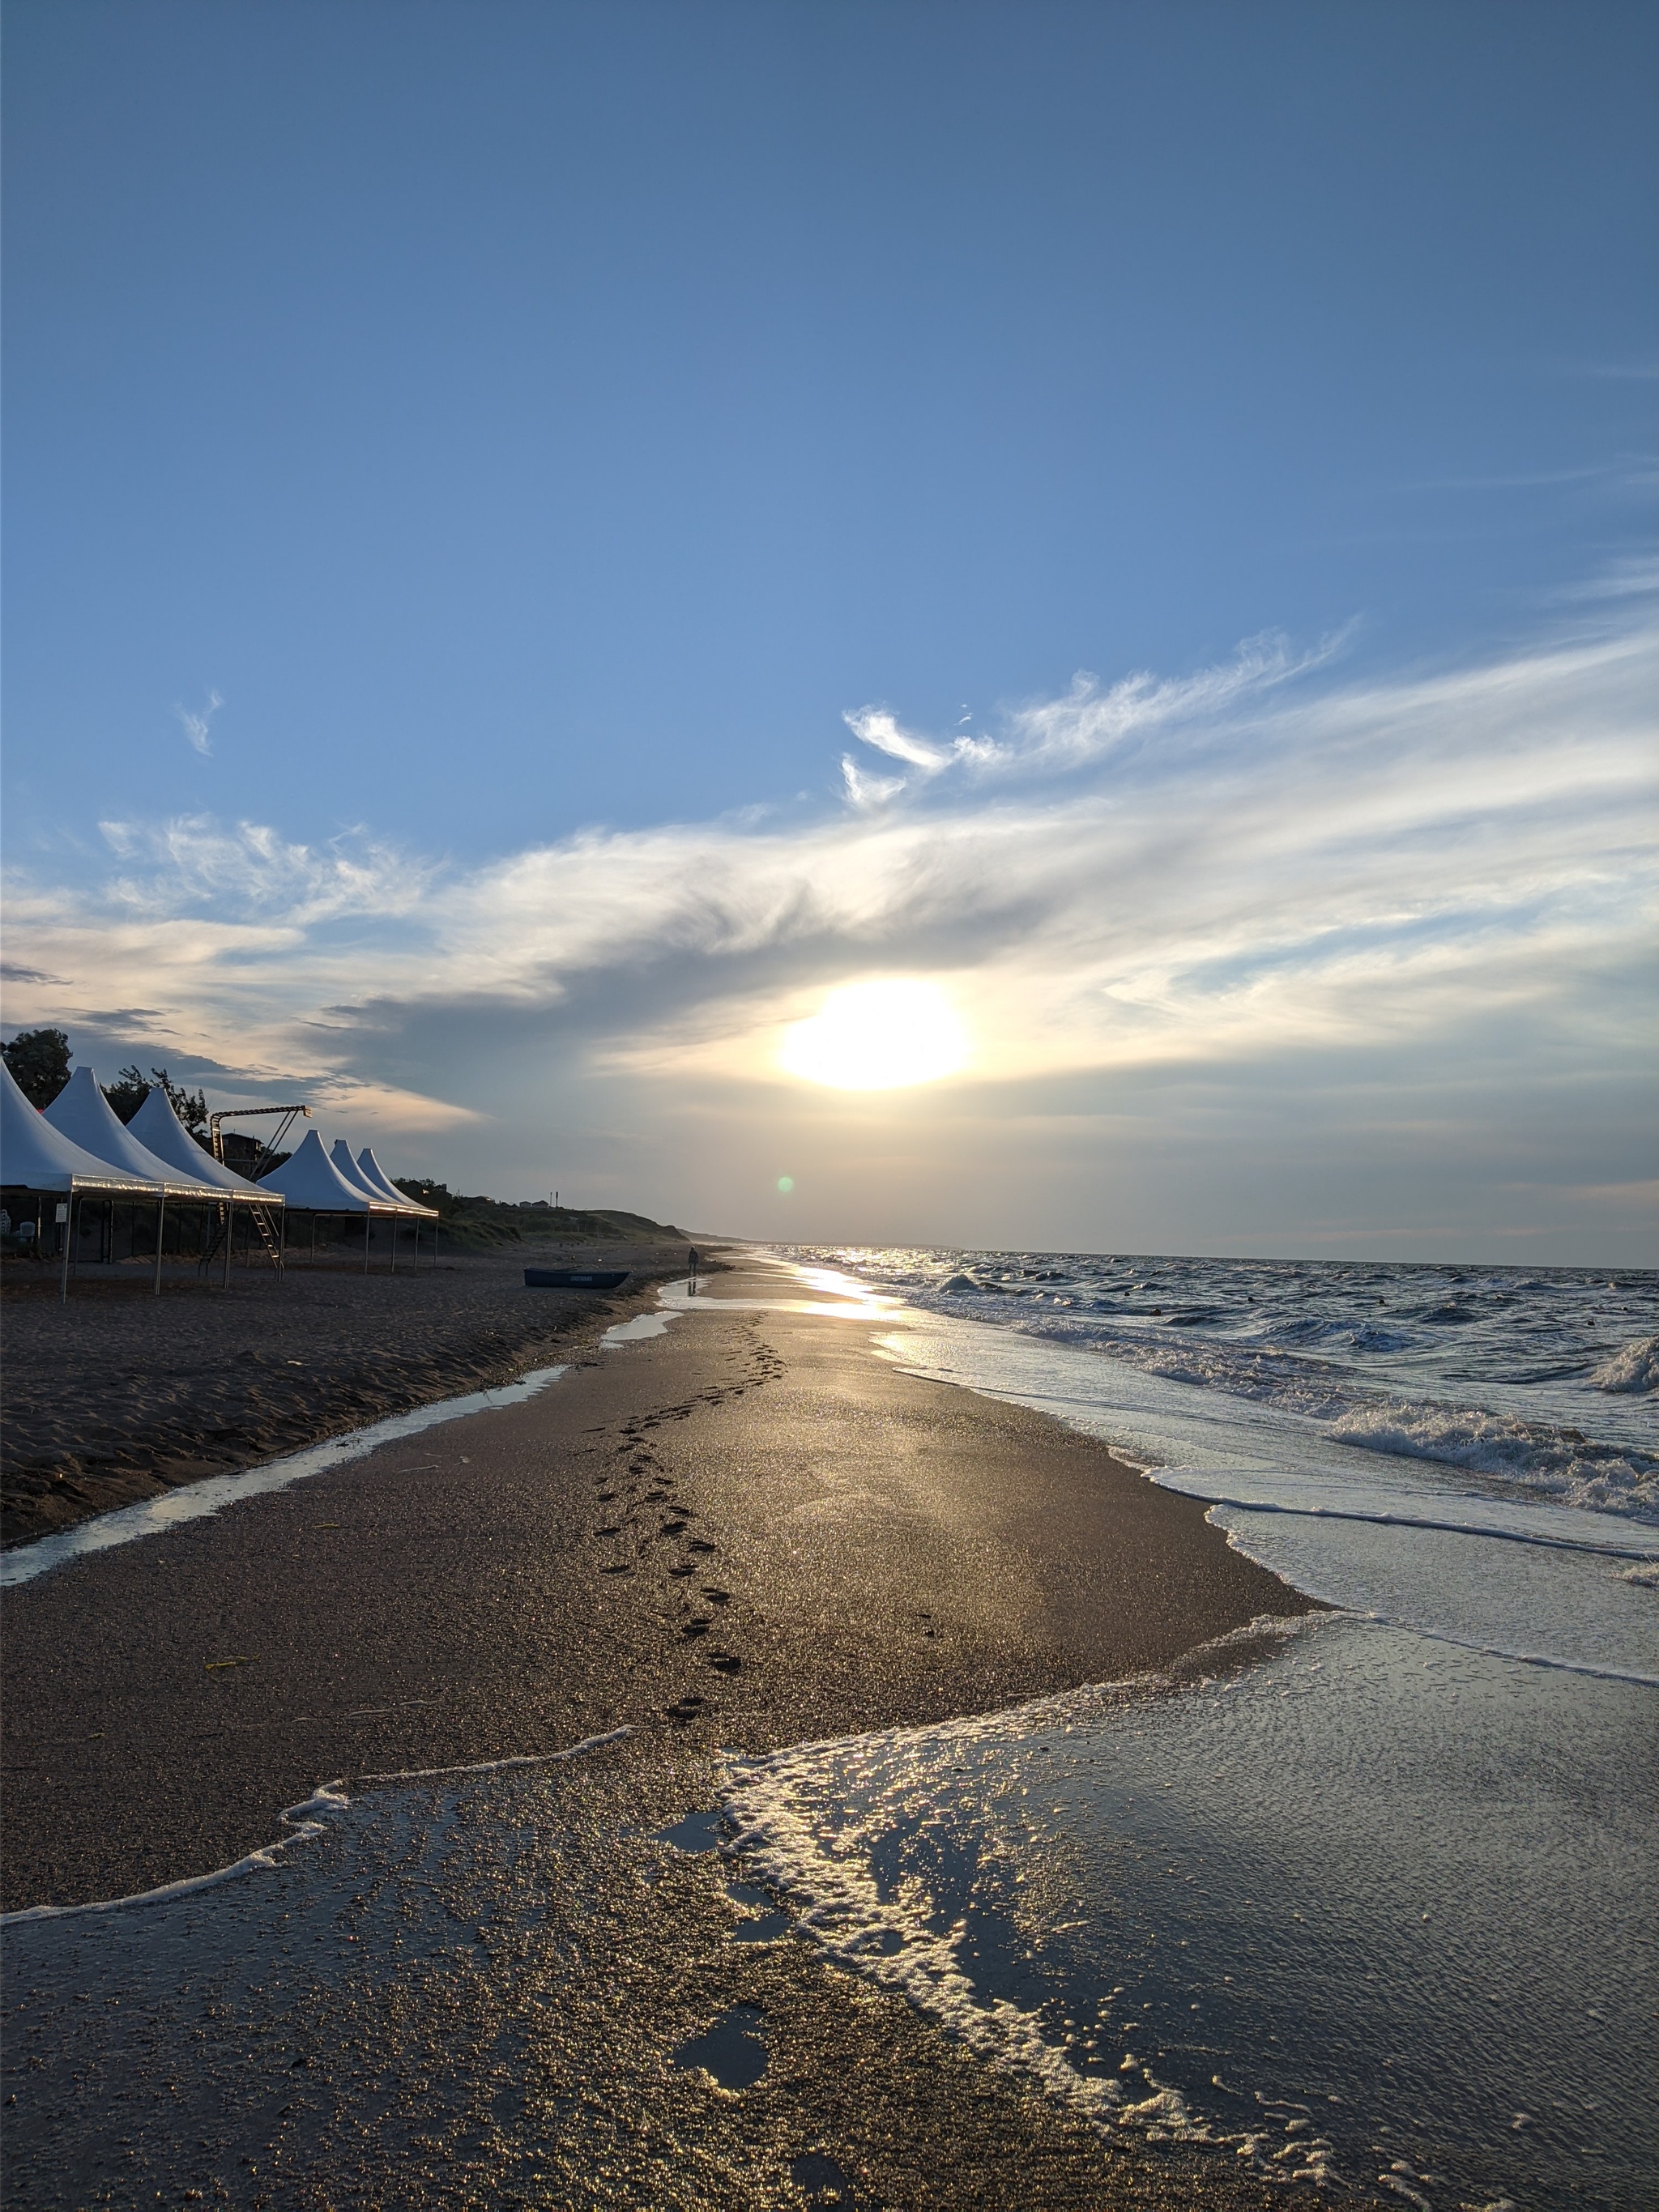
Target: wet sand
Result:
[117, 1394]
[748, 1531]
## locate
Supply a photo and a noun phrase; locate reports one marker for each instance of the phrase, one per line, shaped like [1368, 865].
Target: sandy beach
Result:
[116, 1395]
[748, 1532]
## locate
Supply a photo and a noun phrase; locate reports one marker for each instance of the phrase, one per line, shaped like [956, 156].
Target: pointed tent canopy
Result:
[82, 1114]
[349, 1172]
[375, 1175]
[310, 1179]
[160, 1131]
[36, 1155]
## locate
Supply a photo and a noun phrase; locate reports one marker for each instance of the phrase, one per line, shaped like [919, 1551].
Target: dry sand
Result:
[117, 1394]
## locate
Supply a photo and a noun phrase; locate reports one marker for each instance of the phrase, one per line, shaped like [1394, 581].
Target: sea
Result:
[1375, 1910]
[1364, 1900]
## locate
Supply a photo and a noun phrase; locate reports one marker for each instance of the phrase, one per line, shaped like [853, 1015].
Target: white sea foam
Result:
[822, 1869]
[304, 1821]
[1526, 1454]
[1634, 1368]
[1031, 1880]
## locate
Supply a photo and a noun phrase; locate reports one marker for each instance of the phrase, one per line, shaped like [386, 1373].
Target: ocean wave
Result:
[1492, 1372]
[1535, 1457]
[1551, 1462]
[1634, 1369]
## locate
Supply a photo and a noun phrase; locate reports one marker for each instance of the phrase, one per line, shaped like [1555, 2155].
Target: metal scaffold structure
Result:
[81, 1157]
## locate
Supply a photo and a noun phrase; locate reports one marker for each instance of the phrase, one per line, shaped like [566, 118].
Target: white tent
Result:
[160, 1131]
[310, 1180]
[377, 1178]
[348, 1171]
[36, 1155]
[82, 1114]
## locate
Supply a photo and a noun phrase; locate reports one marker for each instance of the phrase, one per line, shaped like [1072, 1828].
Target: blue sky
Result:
[539, 427]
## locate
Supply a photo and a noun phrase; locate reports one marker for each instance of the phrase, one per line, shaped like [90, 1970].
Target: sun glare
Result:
[878, 1037]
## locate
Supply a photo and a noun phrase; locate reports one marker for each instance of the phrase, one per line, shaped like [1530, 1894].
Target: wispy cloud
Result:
[196, 727]
[1090, 722]
[250, 870]
[1223, 872]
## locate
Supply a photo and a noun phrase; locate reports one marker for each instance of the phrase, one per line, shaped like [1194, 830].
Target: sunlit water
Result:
[1533, 1383]
[1376, 1910]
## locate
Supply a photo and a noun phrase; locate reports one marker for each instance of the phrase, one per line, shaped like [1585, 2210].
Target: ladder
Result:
[261, 1214]
[267, 1233]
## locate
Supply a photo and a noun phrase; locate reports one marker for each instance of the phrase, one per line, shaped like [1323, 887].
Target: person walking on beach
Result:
[692, 1261]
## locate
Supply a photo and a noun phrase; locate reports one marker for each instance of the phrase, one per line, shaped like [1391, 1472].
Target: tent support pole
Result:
[368, 1223]
[69, 1236]
[161, 1223]
[282, 1247]
[394, 1243]
[230, 1224]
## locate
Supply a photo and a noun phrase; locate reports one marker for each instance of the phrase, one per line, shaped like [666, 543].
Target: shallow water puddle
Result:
[697, 1832]
[731, 2050]
[415, 2004]
[1375, 1911]
[767, 1923]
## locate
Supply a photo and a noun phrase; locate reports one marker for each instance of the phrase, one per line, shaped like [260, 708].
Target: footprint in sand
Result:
[823, 2180]
[725, 1662]
[731, 2050]
[695, 1627]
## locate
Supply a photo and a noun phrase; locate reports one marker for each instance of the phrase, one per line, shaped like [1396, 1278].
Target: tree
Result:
[40, 1063]
[129, 1091]
[190, 1106]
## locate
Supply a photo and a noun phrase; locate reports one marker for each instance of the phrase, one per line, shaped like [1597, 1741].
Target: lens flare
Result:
[878, 1037]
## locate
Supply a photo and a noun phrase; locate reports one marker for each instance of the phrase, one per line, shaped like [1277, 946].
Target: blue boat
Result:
[575, 1278]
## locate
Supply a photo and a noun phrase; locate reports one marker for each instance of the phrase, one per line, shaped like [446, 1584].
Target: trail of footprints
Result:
[647, 1510]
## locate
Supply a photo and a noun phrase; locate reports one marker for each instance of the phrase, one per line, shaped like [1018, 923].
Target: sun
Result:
[878, 1037]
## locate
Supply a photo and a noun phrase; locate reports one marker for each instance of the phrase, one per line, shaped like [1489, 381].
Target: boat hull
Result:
[575, 1278]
